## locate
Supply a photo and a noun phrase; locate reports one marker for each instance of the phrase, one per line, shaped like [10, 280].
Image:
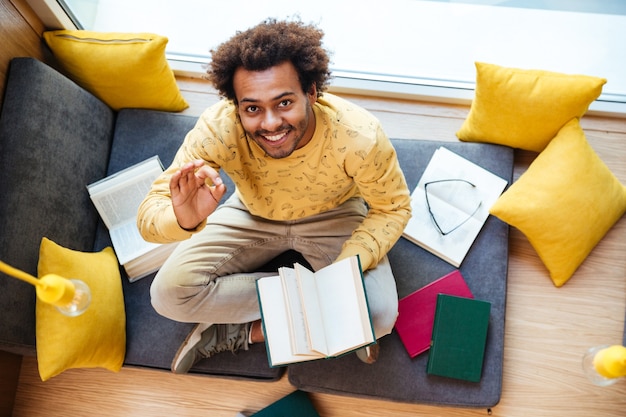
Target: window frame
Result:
[54, 16]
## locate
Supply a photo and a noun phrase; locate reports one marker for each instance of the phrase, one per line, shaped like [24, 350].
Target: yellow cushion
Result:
[525, 108]
[125, 70]
[97, 338]
[564, 203]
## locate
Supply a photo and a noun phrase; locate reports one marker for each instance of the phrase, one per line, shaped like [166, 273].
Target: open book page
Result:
[335, 308]
[343, 306]
[295, 314]
[128, 242]
[312, 310]
[276, 323]
[117, 197]
[447, 220]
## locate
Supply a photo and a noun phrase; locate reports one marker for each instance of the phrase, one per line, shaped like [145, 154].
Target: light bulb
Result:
[80, 301]
[605, 365]
[70, 296]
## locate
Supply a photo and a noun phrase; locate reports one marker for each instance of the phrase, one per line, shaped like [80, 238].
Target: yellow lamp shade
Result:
[56, 290]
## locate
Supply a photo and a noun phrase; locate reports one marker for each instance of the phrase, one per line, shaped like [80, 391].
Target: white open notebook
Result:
[450, 205]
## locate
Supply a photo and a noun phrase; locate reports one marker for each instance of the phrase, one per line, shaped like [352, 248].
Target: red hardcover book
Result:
[416, 311]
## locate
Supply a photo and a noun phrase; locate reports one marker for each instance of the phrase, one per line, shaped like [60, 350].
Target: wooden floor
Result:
[547, 329]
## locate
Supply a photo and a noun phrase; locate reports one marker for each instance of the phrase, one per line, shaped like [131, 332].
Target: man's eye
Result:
[252, 109]
[285, 103]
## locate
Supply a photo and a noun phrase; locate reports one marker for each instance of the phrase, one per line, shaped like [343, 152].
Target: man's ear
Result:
[312, 94]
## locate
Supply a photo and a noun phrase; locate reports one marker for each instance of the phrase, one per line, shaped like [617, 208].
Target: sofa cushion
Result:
[122, 69]
[565, 202]
[94, 339]
[395, 376]
[48, 152]
[525, 108]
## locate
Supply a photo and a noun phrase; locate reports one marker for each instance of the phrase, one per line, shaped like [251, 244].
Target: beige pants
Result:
[208, 280]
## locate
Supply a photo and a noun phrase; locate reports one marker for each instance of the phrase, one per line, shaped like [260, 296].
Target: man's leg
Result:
[207, 278]
[203, 280]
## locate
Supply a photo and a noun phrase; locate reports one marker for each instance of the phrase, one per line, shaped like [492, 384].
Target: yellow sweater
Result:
[349, 155]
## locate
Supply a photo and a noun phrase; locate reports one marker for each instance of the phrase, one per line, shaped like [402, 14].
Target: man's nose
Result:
[271, 121]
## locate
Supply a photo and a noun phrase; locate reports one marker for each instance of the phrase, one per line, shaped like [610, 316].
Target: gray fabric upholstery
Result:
[54, 139]
[395, 376]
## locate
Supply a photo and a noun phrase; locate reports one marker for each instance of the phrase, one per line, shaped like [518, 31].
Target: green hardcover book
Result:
[297, 403]
[459, 337]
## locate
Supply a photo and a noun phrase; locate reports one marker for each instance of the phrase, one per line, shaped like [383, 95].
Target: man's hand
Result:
[192, 198]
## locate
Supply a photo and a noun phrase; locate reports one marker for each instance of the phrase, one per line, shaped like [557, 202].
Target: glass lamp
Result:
[70, 296]
[604, 365]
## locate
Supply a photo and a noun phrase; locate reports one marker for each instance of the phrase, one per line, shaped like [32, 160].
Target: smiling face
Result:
[273, 109]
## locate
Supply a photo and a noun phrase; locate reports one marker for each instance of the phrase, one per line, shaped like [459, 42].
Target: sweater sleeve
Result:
[382, 184]
[155, 218]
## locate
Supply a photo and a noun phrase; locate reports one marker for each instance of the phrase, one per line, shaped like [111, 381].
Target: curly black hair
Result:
[268, 44]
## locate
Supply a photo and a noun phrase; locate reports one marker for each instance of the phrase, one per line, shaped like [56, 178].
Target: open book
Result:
[451, 204]
[314, 315]
[117, 199]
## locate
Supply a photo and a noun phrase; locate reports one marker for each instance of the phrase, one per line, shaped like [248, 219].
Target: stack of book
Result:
[444, 318]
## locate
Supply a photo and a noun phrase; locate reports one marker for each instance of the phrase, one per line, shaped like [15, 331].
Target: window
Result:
[411, 48]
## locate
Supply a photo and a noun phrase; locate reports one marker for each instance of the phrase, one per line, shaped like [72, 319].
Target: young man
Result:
[313, 173]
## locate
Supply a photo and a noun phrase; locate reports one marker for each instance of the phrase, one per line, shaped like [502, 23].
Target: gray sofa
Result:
[56, 137]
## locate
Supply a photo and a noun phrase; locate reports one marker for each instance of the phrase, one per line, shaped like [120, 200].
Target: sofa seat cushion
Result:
[395, 376]
[54, 139]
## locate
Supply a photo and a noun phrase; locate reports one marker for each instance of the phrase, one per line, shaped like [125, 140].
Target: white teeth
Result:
[274, 138]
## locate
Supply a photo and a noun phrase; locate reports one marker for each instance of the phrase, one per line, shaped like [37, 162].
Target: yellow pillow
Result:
[525, 108]
[564, 203]
[97, 338]
[125, 70]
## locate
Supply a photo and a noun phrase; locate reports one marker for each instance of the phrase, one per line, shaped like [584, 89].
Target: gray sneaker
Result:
[205, 340]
